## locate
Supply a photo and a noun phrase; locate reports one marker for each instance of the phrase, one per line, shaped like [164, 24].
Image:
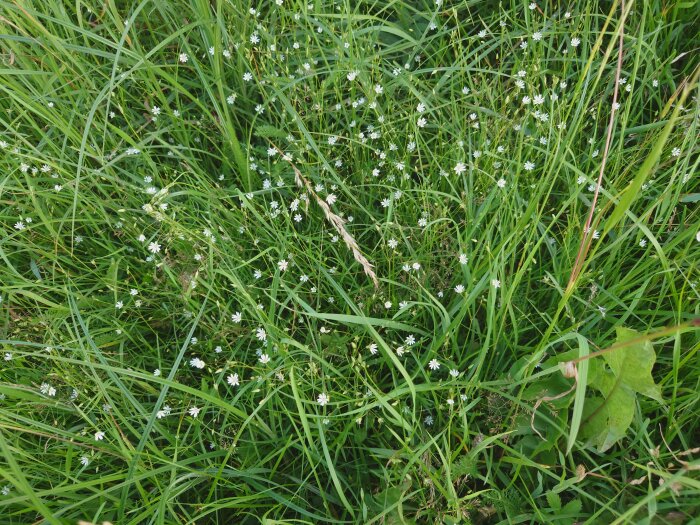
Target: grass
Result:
[189, 337]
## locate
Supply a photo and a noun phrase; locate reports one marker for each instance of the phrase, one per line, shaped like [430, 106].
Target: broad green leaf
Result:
[608, 417]
[633, 363]
[553, 500]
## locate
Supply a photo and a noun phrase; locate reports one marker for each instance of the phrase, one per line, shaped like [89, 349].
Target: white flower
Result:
[99, 435]
[501, 183]
[575, 42]
[85, 461]
[323, 399]
[529, 166]
[156, 372]
[264, 359]
[154, 247]
[387, 305]
[463, 258]
[378, 89]
[537, 36]
[434, 364]
[410, 340]
[460, 168]
[495, 283]
[183, 57]
[676, 152]
[454, 372]
[261, 334]
[196, 362]
[421, 122]
[282, 265]
[373, 348]
[119, 305]
[194, 411]
[459, 288]
[233, 380]
[236, 318]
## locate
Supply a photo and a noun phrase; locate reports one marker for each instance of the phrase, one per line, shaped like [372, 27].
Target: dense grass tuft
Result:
[196, 195]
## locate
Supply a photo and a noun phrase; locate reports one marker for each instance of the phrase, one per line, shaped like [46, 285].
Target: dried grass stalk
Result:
[337, 221]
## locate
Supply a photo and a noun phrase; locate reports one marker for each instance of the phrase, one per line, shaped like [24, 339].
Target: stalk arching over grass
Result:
[349, 262]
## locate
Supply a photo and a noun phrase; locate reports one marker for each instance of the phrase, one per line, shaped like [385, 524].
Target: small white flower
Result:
[154, 247]
[85, 461]
[236, 318]
[99, 435]
[434, 364]
[264, 359]
[459, 288]
[156, 372]
[261, 334]
[501, 183]
[495, 283]
[373, 348]
[463, 259]
[283, 265]
[460, 168]
[529, 166]
[454, 372]
[183, 57]
[676, 152]
[196, 362]
[194, 411]
[233, 380]
[323, 399]
[575, 42]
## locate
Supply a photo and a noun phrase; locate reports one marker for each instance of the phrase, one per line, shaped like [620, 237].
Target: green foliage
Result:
[189, 336]
[628, 372]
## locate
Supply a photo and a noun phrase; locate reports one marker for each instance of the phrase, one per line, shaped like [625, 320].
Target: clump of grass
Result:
[190, 335]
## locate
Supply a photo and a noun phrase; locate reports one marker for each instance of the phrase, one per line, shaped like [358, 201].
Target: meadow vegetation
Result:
[342, 261]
